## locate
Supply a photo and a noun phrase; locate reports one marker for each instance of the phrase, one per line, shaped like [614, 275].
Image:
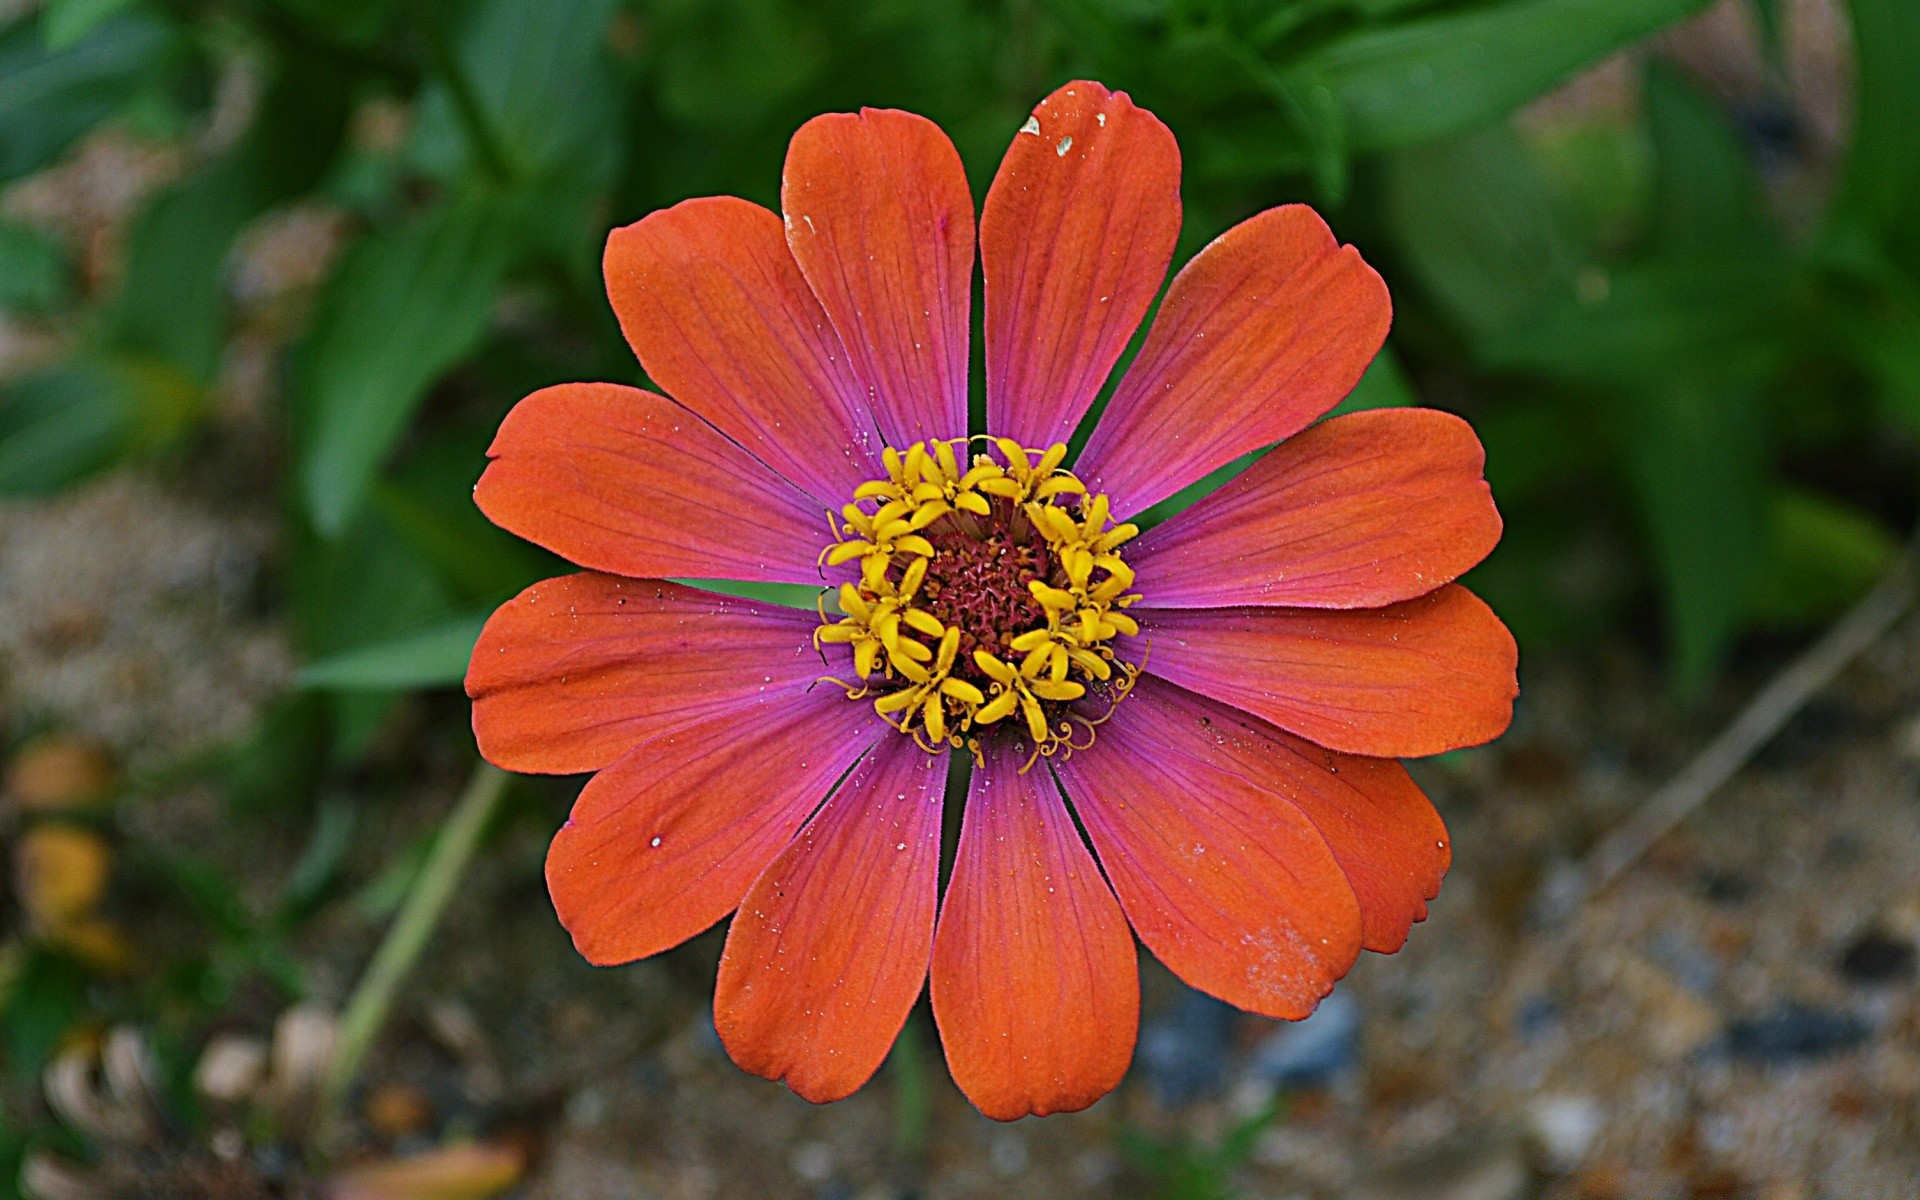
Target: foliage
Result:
[1616, 304]
[1673, 382]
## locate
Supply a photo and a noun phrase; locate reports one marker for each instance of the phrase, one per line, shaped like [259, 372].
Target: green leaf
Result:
[404, 306]
[786, 595]
[538, 77]
[1882, 186]
[1427, 78]
[62, 424]
[33, 270]
[428, 502]
[1707, 197]
[432, 657]
[1475, 220]
[1696, 461]
[64, 22]
[1724, 317]
[50, 97]
[1385, 385]
[1822, 555]
[172, 300]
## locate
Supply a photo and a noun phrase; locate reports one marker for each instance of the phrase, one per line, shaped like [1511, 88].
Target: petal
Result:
[828, 951]
[1420, 677]
[1228, 884]
[879, 218]
[1266, 329]
[1357, 512]
[1382, 829]
[571, 673]
[720, 317]
[668, 839]
[1035, 984]
[1075, 239]
[620, 480]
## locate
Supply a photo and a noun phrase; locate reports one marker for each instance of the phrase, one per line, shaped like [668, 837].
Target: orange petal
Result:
[571, 673]
[1264, 330]
[829, 949]
[665, 841]
[620, 480]
[1382, 829]
[1420, 677]
[1229, 885]
[1357, 512]
[1075, 239]
[712, 303]
[1035, 986]
[879, 218]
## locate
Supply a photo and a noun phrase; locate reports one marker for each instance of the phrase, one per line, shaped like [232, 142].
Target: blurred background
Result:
[271, 272]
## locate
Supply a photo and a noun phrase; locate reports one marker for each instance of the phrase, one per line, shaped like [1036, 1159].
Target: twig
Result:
[1763, 717]
[373, 996]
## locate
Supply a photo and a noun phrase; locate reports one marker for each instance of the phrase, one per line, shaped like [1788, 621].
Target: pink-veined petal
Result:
[829, 949]
[620, 480]
[1075, 238]
[1361, 511]
[1229, 886]
[666, 841]
[1260, 334]
[719, 315]
[1382, 829]
[1420, 677]
[1035, 985]
[879, 218]
[573, 672]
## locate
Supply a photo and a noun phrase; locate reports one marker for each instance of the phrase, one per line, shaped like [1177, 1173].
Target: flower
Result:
[1217, 700]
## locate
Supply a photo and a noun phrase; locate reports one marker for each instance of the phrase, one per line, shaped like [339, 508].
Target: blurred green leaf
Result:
[786, 595]
[428, 502]
[528, 80]
[1385, 385]
[1725, 317]
[44, 993]
[320, 862]
[1707, 199]
[360, 589]
[279, 765]
[1696, 461]
[432, 657]
[1822, 555]
[733, 63]
[353, 21]
[50, 97]
[62, 424]
[171, 302]
[65, 22]
[33, 270]
[404, 306]
[1433, 76]
[1475, 220]
[1881, 190]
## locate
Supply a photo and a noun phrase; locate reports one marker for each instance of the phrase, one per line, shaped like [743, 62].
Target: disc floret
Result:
[990, 589]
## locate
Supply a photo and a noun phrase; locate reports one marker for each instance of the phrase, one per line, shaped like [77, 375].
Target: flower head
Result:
[1218, 700]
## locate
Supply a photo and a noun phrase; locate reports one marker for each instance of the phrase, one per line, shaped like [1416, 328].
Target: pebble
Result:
[1463, 1169]
[1794, 1033]
[1313, 1052]
[1876, 956]
[1184, 1050]
[1564, 1128]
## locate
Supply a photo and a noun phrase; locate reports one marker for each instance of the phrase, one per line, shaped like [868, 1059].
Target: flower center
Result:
[990, 591]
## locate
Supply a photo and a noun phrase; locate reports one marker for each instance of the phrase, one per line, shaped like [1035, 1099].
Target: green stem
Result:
[908, 1067]
[373, 996]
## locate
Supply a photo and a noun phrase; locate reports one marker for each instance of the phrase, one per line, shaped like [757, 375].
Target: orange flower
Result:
[1219, 699]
